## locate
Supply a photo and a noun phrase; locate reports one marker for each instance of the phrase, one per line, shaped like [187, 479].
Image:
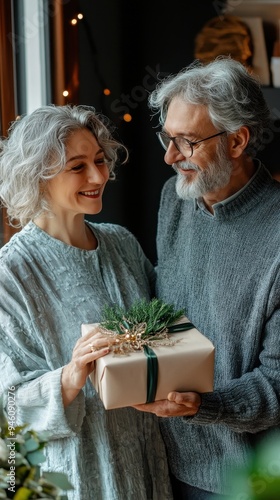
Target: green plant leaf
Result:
[260, 479]
[3, 421]
[59, 479]
[3, 483]
[31, 445]
[22, 450]
[23, 471]
[22, 494]
[18, 430]
[36, 457]
[28, 457]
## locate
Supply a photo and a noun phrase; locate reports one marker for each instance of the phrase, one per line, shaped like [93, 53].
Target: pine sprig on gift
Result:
[156, 315]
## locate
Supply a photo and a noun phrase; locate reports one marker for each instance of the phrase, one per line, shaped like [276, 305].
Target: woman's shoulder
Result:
[108, 230]
[9, 250]
[18, 249]
[116, 239]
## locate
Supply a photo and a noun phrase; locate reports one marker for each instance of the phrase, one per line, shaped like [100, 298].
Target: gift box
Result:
[186, 365]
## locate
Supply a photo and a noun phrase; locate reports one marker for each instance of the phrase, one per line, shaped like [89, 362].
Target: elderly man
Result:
[218, 258]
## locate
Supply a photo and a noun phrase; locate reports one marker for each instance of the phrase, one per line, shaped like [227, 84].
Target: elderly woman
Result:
[58, 272]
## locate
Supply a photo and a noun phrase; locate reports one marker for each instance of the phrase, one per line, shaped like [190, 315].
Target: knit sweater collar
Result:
[244, 200]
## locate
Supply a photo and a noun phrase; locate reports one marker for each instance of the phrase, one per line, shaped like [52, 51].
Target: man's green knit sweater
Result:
[224, 269]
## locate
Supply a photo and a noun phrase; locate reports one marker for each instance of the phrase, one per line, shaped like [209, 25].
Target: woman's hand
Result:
[88, 348]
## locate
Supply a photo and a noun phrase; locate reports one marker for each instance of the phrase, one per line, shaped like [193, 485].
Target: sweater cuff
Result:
[210, 409]
[40, 405]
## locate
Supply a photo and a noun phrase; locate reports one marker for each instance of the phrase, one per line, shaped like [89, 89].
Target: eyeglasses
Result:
[184, 146]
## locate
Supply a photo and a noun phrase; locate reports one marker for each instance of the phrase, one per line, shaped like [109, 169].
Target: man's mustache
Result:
[185, 165]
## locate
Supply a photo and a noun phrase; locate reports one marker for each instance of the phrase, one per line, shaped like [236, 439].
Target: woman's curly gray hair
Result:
[35, 151]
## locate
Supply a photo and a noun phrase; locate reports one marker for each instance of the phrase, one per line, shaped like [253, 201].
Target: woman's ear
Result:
[238, 142]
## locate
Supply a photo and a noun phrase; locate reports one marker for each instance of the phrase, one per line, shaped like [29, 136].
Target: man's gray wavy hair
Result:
[35, 151]
[232, 95]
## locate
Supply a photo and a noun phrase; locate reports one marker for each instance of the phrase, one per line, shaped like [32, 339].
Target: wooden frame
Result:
[64, 52]
[7, 90]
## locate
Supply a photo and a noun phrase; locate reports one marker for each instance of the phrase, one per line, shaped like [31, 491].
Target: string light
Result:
[127, 117]
[74, 21]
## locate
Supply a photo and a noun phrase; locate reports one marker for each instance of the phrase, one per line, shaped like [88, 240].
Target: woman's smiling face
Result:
[79, 188]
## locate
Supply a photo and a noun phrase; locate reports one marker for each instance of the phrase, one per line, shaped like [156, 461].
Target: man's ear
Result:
[238, 142]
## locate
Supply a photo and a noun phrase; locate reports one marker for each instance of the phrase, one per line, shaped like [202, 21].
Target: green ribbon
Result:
[152, 373]
[180, 327]
[152, 362]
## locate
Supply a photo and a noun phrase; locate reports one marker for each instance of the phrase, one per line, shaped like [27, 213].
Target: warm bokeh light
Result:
[73, 22]
[65, 93]
[106, 91]
[80, 16]
[127, 117]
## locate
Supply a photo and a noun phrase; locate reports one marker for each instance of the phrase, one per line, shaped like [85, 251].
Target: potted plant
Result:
[21, 453]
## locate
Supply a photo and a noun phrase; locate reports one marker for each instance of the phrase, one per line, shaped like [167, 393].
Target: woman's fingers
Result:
[95, 338]
[90, 347]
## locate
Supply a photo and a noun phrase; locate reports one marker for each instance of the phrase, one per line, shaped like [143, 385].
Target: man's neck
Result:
[241, 175]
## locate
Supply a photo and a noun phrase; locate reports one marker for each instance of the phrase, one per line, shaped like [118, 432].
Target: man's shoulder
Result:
[170, 183]
[169, 188]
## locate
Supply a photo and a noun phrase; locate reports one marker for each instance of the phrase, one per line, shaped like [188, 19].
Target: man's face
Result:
[216, 176]
[209, 168]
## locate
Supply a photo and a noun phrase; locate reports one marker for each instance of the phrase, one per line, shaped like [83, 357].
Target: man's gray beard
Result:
[215, 176]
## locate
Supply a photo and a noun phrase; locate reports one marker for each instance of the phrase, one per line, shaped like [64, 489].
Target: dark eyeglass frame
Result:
[191, 144]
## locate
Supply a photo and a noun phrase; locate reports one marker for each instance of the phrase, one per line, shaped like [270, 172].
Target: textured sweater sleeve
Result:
[38, 402]
[36, 387]
[251, 402]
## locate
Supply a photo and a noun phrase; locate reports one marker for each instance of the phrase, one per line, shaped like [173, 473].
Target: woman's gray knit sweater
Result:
[224, 269]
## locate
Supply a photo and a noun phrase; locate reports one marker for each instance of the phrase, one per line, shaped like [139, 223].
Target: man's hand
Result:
[177, 404]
